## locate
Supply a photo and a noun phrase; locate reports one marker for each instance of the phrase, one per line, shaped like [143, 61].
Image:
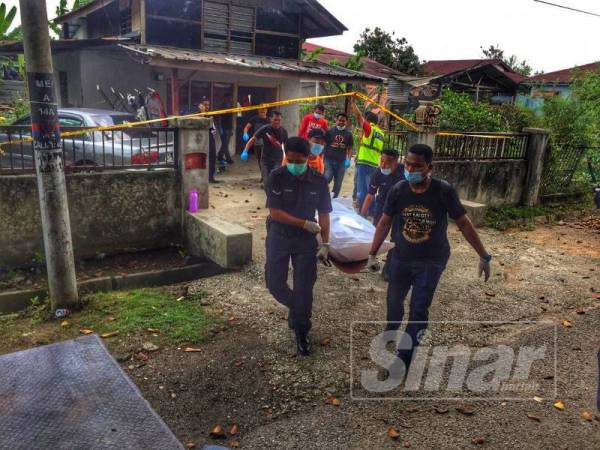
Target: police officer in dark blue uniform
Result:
[295, 194]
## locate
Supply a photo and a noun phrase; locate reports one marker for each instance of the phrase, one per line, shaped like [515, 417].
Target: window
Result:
[277, 46]
[271, 19]
[63, 83]
[71, 121]
[175, 22]
[125, 21]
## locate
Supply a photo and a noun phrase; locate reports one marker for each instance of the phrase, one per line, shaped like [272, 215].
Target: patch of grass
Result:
[130, 313]
[523, 216]
[135, 311]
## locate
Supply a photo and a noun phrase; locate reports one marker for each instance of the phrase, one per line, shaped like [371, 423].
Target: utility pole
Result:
[45, 127]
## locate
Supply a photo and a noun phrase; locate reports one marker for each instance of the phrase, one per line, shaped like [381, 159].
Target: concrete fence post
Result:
[426, 136]
[192, 148]
[537, 145]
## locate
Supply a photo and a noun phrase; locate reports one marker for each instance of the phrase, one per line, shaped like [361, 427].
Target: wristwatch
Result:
[486, 258]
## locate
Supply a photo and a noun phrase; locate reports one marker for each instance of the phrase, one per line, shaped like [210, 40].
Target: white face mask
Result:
[341, 128]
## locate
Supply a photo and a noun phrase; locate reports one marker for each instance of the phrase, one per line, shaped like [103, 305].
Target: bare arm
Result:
[324, 224]
[468, 230]
[250, 143]
[366, 205]
[247, 127]
[381, 232]
[280, 215]
[359, 117]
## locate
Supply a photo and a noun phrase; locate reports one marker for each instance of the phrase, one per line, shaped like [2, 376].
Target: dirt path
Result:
[249, 374]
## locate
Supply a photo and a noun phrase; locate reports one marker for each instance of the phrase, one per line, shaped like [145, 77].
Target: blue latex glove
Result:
[245, 137]
[347, 164]
[244, 155]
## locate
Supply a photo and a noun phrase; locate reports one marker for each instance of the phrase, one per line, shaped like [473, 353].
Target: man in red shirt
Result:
[313, 120]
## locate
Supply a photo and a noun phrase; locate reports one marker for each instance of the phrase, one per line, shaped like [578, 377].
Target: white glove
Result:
[373, 264]
[323, 254]
[484, 268]
[312, 227]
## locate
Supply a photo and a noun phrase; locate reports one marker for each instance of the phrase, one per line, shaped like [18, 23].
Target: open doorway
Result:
[250, 96]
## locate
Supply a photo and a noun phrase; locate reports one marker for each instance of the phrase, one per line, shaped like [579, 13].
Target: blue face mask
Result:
[296, 169]
[316, 149]
[413, 177]
[386, 172]
[317, 115]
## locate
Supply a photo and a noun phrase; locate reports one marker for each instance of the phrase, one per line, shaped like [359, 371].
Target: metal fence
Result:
[466, 146]
[396, 140]
[96, 150]
[560, 163]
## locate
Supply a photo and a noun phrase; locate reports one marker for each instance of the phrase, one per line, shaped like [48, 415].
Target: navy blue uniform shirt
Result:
[301, 197]
[381, 184]
[420, 221]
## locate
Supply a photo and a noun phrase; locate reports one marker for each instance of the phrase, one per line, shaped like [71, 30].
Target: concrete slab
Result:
[227, 244]
[476, 212]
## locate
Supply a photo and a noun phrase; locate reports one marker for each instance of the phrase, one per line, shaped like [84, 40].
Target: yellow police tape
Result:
[242, 109]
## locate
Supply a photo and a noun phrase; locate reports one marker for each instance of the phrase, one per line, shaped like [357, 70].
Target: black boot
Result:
[303, 344]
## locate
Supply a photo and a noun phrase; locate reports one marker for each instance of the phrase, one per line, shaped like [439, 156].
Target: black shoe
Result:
[230, 161]
[291, 322]
[303, 344]
[213, 181]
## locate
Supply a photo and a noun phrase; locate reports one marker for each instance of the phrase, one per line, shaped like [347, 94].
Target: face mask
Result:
[386, 172]
[296, 169]
[413, 177]
[316, 149]
[341, 128]
[317, 115]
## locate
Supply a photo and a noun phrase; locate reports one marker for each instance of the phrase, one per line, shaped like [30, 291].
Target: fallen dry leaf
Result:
[596, 296]
[191, 350]
[232, 318]
[538, 399]
[533, 417]
[567, 323]
[234, 429]
[407, 445]
[234, 444]
[190, 445]
[152, 330]
[217, 432]
[440, 409]
[479, 440]
[85, 331]
[467, 410]
[109, 335]
[111, 319]
[580, 310]
[65, 323]
[393, 433]
[587, 415]
[333, 401]
[490, 294]
[559, 405]
[325, 341]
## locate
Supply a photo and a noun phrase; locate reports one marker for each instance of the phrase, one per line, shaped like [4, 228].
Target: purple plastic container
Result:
[193, 201]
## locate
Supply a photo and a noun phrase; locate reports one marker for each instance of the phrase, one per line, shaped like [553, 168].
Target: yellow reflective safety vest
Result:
[371, 147]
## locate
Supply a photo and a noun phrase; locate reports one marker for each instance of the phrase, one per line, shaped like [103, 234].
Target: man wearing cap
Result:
[295, 195]
[313, 120]
[417, 210]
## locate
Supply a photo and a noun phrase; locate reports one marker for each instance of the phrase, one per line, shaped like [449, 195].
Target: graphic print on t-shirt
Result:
[418, 222]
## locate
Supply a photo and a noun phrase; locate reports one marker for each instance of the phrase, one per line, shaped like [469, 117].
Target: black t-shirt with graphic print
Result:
[273, 139]
[420, 221]
[337, 144]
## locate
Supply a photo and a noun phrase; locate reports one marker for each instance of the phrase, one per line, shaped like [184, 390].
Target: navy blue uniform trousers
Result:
[302, 251]
[423, 277]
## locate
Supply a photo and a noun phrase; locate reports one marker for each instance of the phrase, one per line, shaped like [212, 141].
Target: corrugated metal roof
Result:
[252, 64]
[369, 65]
[563, 76]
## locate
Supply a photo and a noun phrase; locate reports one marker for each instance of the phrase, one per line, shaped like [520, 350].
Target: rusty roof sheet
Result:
[254, 64]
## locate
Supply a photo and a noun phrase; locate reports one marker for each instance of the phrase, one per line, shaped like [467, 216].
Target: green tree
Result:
[461, 113]
[512, 61]
[6, 21]
[386, 49]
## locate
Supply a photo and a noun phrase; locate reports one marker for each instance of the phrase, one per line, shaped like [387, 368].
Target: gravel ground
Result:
[248, 374]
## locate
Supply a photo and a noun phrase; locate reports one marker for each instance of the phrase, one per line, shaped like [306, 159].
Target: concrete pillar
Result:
[427, 136]
[192, 154]
[291, 113]
[536, 150]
